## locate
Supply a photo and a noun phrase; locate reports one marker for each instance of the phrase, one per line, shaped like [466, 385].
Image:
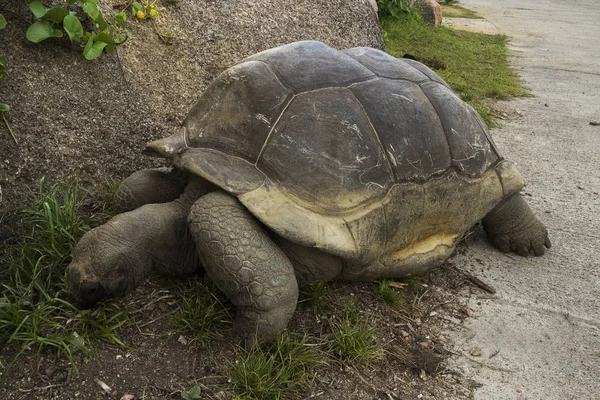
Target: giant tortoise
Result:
[302, 164]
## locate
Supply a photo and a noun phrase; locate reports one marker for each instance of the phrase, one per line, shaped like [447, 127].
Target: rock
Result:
[93, 118]
[373, 4]
[430, 10]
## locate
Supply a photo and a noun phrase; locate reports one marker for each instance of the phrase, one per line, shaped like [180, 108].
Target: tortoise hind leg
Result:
[149, 186]
[246, 265]
[511, 225]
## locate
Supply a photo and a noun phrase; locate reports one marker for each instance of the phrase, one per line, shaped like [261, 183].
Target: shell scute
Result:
[470, 149]
[310, 65]
[237, 111]
[326, 153]
[408, 127]
[385, 65]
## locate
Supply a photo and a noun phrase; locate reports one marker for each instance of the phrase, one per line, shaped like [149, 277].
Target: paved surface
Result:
[471, 25]
[540, 339]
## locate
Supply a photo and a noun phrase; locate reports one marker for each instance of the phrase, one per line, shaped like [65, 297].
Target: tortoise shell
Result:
[337, 149]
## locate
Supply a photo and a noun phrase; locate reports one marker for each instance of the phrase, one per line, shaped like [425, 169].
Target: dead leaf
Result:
[397, 285]
[103, 385]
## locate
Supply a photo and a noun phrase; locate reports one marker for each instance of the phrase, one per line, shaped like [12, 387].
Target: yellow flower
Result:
[153, 13]
[140, 14]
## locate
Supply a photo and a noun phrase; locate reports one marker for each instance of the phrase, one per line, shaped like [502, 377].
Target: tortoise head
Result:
[108, 262]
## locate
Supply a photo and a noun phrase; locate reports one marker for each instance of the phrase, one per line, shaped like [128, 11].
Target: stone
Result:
[373, 4]
[430, 10]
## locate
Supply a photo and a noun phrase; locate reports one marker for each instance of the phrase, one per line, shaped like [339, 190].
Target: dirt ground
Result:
[159, 363]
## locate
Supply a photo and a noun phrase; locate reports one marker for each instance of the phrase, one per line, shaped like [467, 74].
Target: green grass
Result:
[198, 310]
[311, 294]
[279, 371]
[353, 339]
[34, 313]
[456, 11]
[475, 65]
[388, 294]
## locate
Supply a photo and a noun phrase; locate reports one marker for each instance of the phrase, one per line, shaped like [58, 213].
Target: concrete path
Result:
[540, 339]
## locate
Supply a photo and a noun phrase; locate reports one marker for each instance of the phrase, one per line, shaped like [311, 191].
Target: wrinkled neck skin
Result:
[158, 236]
[157, 239]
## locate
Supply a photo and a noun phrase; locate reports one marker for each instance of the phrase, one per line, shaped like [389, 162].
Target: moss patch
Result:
[474, 64]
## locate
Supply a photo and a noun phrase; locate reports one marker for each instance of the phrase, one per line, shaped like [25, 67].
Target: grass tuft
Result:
[388, 294]
[474, 64]
[34, 313]
[279, 371]
[353, 339]
[198, 310]
[311, 294]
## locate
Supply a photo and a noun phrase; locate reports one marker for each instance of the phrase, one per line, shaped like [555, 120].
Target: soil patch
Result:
[160, 363]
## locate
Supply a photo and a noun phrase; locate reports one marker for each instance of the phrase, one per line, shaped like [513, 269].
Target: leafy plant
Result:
[193, 393]
[147, 10]
[394, 8]
[56, 21]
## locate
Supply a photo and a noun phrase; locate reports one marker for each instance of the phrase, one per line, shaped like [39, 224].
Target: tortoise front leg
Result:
[511, 225]
[149, 186]
[241, 259]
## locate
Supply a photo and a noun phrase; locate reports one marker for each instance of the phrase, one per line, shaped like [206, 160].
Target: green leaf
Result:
[102, 25]
[4, 108]
[2, 22]
[73, 28]
[121, 17]
[195, 392]
[91, 9]
[56, 14]
[135, 7]
[93, 49]
[37, 8]
[105, 37]
[41, 30]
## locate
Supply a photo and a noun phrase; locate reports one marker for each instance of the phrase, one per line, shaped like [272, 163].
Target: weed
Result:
[198, 310]
[279, 371]
[474, 64]
[388, 294]
[394, 8]
[149, 10]
[353, 339]
[54, 22]
[311, 294]
[193, 393]
[34, 314]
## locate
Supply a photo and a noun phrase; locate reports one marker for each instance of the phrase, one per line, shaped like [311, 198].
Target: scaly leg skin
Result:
[149, 186]
[511, 225]
[244, 263]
